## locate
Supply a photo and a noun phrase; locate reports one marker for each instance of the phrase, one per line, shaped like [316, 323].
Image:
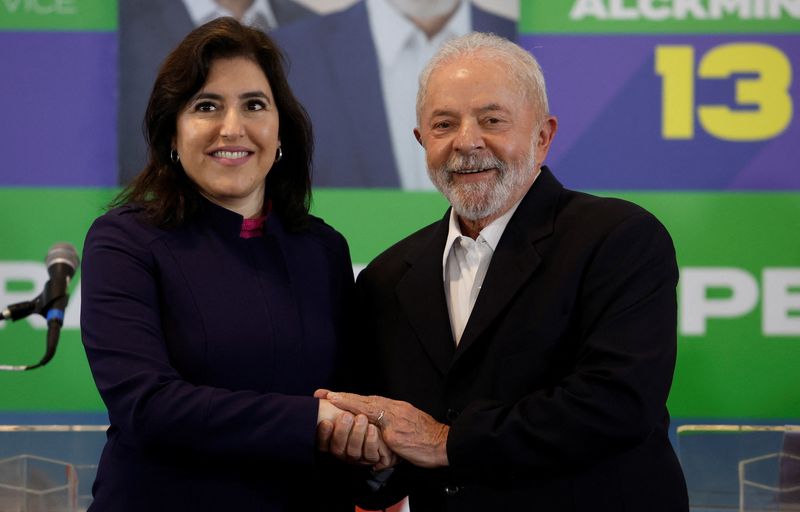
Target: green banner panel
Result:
[33, 220]
[739, 295]
[739, 299]
[660, 16]
[373, 220]
[58, 15]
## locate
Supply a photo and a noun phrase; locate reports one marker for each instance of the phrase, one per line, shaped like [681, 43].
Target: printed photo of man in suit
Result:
[519, 351]
[356, 70]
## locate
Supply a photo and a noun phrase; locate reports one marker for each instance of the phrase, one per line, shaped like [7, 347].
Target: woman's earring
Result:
[278, 155]
[174, 156]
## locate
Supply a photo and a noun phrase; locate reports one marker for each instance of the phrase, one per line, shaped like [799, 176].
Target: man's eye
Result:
[442, 125]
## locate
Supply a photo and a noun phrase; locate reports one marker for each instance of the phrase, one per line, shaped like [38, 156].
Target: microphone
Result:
[62, 262]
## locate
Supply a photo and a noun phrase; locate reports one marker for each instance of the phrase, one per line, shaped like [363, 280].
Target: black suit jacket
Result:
[556, 393]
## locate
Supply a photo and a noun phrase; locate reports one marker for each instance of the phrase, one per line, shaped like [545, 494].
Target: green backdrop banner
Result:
[661, 17]
[739, 346]
[60, 15]
[652, 95]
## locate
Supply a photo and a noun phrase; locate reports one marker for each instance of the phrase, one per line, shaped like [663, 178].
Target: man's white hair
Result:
[522, 65]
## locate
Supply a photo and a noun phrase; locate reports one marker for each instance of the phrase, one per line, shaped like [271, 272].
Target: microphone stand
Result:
[49, 302]
[62, 261]
[19, 310]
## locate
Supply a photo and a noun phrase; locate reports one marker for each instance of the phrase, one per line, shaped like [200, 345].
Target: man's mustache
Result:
[472, 163]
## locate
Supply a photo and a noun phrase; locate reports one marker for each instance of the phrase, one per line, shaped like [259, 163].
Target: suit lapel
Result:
[421, 296]
[516, 257]
[354, 68]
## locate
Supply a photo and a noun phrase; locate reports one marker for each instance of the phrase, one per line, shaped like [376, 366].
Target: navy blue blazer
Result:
[334, 73]
[556, 394]
[206, 349]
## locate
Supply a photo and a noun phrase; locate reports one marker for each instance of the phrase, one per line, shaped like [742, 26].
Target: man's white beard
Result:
[424, 9]
[479, 200]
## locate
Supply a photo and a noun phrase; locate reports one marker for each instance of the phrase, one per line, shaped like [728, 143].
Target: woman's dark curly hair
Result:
[167, 194]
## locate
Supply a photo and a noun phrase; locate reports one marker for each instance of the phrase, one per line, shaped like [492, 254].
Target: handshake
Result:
[379, 432]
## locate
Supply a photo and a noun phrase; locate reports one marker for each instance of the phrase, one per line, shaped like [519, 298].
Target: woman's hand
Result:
[327, 411]
[351, 437]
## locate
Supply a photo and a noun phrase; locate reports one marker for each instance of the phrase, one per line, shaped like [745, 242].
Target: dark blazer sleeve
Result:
[614, 395]
[148, 400]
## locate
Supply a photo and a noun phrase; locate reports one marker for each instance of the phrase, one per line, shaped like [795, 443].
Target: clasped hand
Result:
[375, 430]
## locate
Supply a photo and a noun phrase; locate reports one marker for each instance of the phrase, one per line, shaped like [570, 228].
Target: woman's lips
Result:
[231, 156]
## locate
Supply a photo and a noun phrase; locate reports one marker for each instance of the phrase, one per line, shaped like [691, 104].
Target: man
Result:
[148, 31]
[356, 73]
[526, 340]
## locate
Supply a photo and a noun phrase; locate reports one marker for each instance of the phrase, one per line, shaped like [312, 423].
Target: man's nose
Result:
[232, 126]
[468, 138]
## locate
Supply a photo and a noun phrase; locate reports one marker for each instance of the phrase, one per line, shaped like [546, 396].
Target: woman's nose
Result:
[232, 126]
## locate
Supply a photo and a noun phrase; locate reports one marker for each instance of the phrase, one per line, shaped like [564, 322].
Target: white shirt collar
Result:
[490, 233]
[391, 30]
[203, 11]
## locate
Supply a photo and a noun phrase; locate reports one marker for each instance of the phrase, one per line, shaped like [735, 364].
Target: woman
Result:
[213, 304]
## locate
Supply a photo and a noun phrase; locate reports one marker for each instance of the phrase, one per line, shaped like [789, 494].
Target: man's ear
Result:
[547, 131]
[418, 136]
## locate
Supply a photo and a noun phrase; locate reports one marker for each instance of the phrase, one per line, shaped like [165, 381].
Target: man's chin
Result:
[471, 200]
[473, 210]
[472, 216]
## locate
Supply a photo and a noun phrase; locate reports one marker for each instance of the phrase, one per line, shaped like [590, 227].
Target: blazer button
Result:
[452, 415]
[452, 490]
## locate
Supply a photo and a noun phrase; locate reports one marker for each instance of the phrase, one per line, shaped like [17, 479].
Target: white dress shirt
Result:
[258, 15]
[464, 265]
[403, 50]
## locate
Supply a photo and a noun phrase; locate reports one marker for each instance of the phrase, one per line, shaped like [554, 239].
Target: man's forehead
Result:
[459, 64]
[478, 73]
[477, 84]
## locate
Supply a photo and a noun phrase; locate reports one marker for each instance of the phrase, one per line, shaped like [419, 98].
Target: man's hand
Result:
[351, 437]
[409, 432]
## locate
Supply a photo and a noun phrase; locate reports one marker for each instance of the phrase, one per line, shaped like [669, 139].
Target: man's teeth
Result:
[470, 171]
[230, 154]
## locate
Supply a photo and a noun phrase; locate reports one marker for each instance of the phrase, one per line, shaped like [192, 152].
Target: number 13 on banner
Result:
[768, 92]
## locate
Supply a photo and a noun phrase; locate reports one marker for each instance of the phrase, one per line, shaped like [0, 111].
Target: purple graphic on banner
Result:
[608, 98]
[59, 91]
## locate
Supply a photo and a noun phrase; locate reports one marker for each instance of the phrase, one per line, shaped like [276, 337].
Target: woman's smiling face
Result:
[227, 135]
